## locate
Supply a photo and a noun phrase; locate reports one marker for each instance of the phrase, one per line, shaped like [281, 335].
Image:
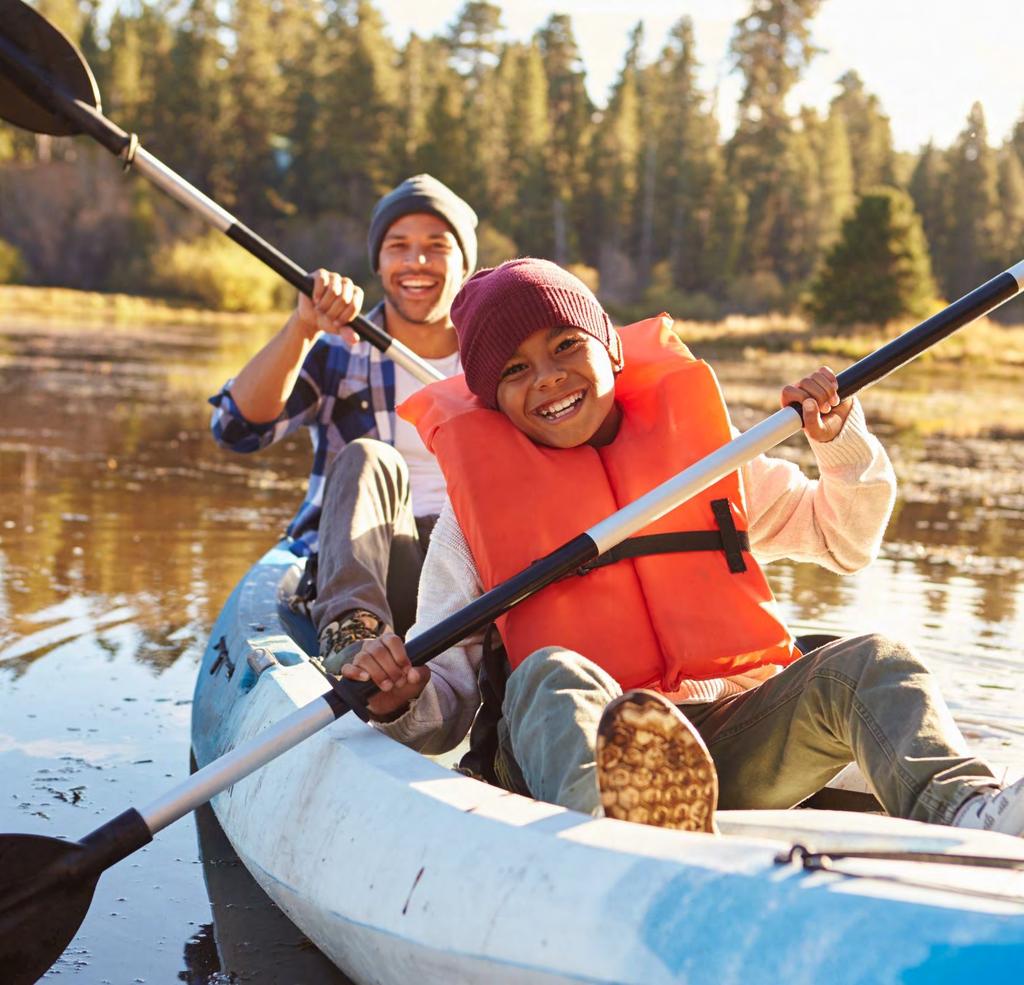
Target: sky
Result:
[926, 60]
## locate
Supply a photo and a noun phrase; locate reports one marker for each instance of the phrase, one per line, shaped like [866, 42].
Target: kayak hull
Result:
[401, 870]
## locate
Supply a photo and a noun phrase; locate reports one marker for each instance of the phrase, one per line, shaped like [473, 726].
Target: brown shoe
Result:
[653, 766]
[339, 639]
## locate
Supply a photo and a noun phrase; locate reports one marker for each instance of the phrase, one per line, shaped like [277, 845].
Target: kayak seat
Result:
[292, 611]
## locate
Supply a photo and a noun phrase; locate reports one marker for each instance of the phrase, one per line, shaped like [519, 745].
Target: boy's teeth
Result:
[556, 410]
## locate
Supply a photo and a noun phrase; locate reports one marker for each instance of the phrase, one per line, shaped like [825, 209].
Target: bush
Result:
[756, 294]
[493, 247]
[12, 264]
[879, 270]
[219, 274]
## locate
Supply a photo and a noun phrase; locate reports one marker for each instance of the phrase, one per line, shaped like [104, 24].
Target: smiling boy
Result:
[559, 421]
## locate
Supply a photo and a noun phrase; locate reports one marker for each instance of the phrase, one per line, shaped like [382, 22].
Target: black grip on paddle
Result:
[115, 840]
[300, 279]
[346, 695]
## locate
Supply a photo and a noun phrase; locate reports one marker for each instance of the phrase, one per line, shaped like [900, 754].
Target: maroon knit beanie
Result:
[499, 307]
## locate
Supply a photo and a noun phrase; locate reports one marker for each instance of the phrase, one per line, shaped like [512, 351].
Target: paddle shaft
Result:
[568, 558]
[126, 146]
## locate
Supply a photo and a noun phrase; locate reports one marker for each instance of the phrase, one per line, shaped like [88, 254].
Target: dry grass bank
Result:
[985, 346]
[59, 304]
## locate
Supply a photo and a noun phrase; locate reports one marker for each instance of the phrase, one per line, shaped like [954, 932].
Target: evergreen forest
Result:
[296, 115]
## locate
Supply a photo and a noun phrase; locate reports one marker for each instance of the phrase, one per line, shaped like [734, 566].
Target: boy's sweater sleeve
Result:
[837, 520]
[440, 717]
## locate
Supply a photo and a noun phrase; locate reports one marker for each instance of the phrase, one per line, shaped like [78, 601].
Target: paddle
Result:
[46, 86]
[46, 884]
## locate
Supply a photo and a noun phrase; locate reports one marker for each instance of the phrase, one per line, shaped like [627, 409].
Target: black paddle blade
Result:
[43, 900]
[24, 102]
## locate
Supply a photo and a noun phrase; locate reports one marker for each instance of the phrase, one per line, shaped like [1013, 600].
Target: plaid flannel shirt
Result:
[342, 393]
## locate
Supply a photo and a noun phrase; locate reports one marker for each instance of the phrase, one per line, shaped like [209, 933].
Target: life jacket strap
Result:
[731, 542]
[727, 538]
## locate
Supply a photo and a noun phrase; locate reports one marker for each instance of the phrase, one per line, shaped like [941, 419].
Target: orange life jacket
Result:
[652, 621]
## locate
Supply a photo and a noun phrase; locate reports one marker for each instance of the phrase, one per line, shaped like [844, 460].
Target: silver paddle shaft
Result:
[172, 183]
[237, 764]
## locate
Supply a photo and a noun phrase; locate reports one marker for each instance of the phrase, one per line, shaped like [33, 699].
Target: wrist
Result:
[387, 717]
[300, 329]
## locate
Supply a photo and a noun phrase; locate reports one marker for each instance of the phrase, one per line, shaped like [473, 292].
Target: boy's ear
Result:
[615, 351]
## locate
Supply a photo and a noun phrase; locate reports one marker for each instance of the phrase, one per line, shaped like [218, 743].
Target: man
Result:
[374, 490]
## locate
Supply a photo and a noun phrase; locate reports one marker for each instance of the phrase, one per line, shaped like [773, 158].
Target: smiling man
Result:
[374, 490]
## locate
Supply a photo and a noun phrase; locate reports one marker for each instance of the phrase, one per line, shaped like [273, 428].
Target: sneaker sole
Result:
[653, 767]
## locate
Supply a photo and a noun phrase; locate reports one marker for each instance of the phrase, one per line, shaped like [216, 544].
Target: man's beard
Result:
[435, 313]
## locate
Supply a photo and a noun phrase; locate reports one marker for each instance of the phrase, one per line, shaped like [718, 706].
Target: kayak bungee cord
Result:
[824, 861]
[46, 86]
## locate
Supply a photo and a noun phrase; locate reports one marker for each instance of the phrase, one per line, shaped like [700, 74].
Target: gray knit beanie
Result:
[424, 193]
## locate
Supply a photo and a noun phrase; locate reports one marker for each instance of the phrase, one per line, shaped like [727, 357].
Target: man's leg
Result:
[370, 551]
[868, 699]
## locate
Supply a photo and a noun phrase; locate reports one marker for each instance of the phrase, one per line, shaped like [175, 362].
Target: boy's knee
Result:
[871, 655]
[554, 668]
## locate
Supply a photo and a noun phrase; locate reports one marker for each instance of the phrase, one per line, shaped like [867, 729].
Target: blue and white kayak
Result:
[401, 870]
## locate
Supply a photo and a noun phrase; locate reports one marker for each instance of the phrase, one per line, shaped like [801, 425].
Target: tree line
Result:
[298, 115]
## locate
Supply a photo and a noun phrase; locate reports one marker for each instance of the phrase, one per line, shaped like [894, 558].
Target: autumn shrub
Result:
[220, 275]
[12, 264]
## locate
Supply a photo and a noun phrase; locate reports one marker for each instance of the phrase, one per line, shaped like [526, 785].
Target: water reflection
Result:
[123, 529]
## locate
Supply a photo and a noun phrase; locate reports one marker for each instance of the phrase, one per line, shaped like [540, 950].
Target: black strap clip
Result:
[731, 543]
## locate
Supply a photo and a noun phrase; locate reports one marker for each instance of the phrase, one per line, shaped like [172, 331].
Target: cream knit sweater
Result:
[836, 521]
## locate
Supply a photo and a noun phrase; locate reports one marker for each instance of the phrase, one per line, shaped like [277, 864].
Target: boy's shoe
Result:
[995, 809]
[341, 639]
[653, 766]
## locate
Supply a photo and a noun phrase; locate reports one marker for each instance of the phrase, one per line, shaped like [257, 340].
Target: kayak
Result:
[400, 869]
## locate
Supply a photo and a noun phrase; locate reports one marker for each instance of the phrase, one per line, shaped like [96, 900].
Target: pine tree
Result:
[192, 92]
[1011, 199]
[473, 39]
[614, 170]
[972, 251]
[835, 167]
[360, 108]
[767, 157]
[879, 269]
[475, 55]
[525, 194]
[869, 133]
[569, 114]
[1017, 138]
[929, 188]
[253, 110]
[690, 167]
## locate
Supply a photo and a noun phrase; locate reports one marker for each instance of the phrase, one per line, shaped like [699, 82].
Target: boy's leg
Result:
[552, 707]
[869, 699]
[370, 551]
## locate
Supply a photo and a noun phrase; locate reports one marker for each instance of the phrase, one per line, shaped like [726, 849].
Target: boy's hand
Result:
[818, 395]
[385, 662]
[336, 301]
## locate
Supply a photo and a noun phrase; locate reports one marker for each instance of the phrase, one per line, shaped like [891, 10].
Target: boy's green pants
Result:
[865, 699]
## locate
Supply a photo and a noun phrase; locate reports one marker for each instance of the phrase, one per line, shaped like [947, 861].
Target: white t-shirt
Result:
[425, 477]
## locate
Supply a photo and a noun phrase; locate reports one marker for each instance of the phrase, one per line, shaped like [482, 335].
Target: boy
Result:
[568, 420]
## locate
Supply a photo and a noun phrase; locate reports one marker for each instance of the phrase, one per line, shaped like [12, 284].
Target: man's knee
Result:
[367, 451]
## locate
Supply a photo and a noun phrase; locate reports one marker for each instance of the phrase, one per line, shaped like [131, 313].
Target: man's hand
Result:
[336, 301]
[818, 395]
[385, 662]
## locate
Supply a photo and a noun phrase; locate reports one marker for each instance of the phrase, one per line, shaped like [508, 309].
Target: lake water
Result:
[123, 529]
